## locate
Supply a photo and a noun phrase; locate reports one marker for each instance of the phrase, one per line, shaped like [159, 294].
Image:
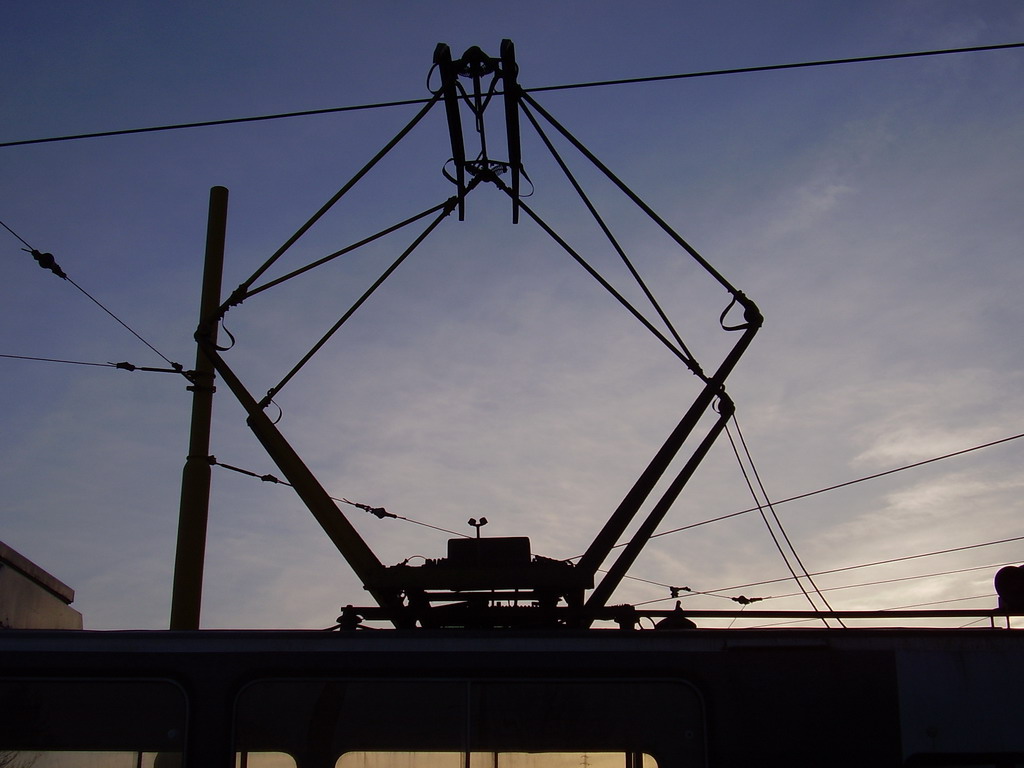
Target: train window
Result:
[479, 723]
[81, 723]
[97, 759]
[262, 760]
[495, 760]
[967, 761]
[89, 759]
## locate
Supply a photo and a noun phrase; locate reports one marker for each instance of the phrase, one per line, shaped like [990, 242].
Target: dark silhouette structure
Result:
[498, 582]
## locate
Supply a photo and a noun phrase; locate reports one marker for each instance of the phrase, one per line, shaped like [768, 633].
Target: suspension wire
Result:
[908, 578]
[604, 228]
[119, 366]
[875, 563]
[23, 241]
[176, 366]
[835, 487]
[693, 593]
[378, 512]
[736, 618]
[239, 295]
[687, 361]
[345, 250]
[777, 67]
[449, 206]
[46, 261]
[54, 360]
[675, 591]
[225, 121]
[778, 522]
[632, 196]
[539, 89]
[940, 602]
[771, 531]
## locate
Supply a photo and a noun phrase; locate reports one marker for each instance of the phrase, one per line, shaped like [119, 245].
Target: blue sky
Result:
[871, 210]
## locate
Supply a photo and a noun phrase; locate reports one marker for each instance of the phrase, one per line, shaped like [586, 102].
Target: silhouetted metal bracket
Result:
[475, 66]
[510, 74]
[449, 93]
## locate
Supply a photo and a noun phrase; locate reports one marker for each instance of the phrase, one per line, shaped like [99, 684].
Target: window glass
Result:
[263, 760]
[495, 760]
[67, 722]
[89, 759]
[430, 723]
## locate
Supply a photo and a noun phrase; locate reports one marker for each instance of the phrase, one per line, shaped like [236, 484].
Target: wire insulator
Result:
[47, 261]
[744, 600]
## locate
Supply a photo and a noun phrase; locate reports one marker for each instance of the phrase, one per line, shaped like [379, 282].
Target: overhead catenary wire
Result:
[23, 241]
[56, 360]
[177, 366]
[676, 591]
[888, 561]
[774, 514]
[47, 261]
[123, 366]
[378, 512]
[835, 487]
[737, 587]
[860, 585]
[775, 538]
[537, 89]
[881, 611]
[881, 582]
[824, 490]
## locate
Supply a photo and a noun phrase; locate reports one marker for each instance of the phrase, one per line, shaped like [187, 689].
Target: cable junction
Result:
[48, 262]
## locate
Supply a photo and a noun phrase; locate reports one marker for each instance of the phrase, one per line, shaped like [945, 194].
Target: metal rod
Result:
[194, 508]
[630, 194]
[337, 527]
[241, 290]
[599, 597]
[509, 75]
[449, 86]
[347, 249]
[607, 231]
[686, 360]
[630, 504]
[446, 210]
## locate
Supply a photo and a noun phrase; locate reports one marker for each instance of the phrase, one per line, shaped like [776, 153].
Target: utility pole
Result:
[194, 511]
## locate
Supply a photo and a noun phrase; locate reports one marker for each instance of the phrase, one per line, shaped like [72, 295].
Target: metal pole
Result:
[603, 591]
[186, 597]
